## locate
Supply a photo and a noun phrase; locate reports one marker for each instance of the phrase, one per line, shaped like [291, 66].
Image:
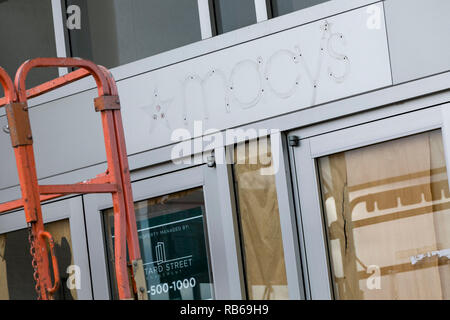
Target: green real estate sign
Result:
[175, 256]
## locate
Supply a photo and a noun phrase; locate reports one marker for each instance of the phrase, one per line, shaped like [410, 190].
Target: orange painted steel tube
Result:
[33, 214]
[51, 243]
[118, 205]
[30, 194]
[8, 87]
[64, 189]
[132, 234]
[117, 179]
[53, 84]
[17, 204]
[90, 67]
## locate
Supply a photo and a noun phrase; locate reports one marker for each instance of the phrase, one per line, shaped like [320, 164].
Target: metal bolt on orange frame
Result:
[116, 180]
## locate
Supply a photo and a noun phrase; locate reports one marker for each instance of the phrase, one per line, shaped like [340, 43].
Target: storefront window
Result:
[387, 210]
[233, 14]
[16, 272]
[280, 7]
[116, 32]
[26, 32]
[173, 241]
[259, 218]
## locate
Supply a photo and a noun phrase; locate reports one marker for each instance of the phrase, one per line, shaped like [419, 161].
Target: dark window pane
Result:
[26, 31]
[174, 246]
[116, 32]
[280, 7]
[16, 272]
[234, 14]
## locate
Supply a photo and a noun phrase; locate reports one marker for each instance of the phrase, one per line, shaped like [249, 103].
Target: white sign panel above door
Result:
[298, 68]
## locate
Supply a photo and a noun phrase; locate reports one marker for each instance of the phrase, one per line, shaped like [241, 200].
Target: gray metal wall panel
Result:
[418, 33]
[8, 170]
[68, 132]
[67, 136]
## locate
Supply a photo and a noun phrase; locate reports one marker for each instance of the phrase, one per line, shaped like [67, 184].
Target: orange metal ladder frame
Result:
[116, 180]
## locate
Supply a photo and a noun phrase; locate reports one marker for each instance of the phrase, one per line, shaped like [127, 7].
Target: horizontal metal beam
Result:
[18, 204]
[52, 84]
[78, 188]
[99, 180]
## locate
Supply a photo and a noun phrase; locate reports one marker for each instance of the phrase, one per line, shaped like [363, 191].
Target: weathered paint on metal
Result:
[116, 180]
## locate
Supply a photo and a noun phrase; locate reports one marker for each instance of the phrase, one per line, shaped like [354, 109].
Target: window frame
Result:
[261, 14]
[288, 220]
[196, 49]
[61, 35]
[221, 235]
[71, 209]
[305, 174]
[270, 9]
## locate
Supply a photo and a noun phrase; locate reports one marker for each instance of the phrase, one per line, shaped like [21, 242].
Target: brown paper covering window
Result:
[387, 208]
[260, 226]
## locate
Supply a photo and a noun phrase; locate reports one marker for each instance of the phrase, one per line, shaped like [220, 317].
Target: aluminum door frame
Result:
[224, 256]
[305, 177]
[69, 208]
[288, 221]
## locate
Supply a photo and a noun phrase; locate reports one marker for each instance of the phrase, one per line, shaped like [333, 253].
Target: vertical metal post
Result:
[59, 28]
[204, 14]
[115, 181]
[261, 10]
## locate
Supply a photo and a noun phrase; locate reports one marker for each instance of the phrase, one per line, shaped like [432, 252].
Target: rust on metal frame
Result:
[115, 181]
[52, 84]
[19, 124]
[131, 226]
[107, 103]
[47, 236]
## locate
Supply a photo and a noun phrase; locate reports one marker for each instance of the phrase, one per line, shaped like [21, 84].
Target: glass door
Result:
[375, 209]
[64, 220]
[173, 239]
[183, 234]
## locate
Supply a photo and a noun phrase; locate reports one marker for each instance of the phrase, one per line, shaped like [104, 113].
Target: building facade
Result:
[283, 149]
